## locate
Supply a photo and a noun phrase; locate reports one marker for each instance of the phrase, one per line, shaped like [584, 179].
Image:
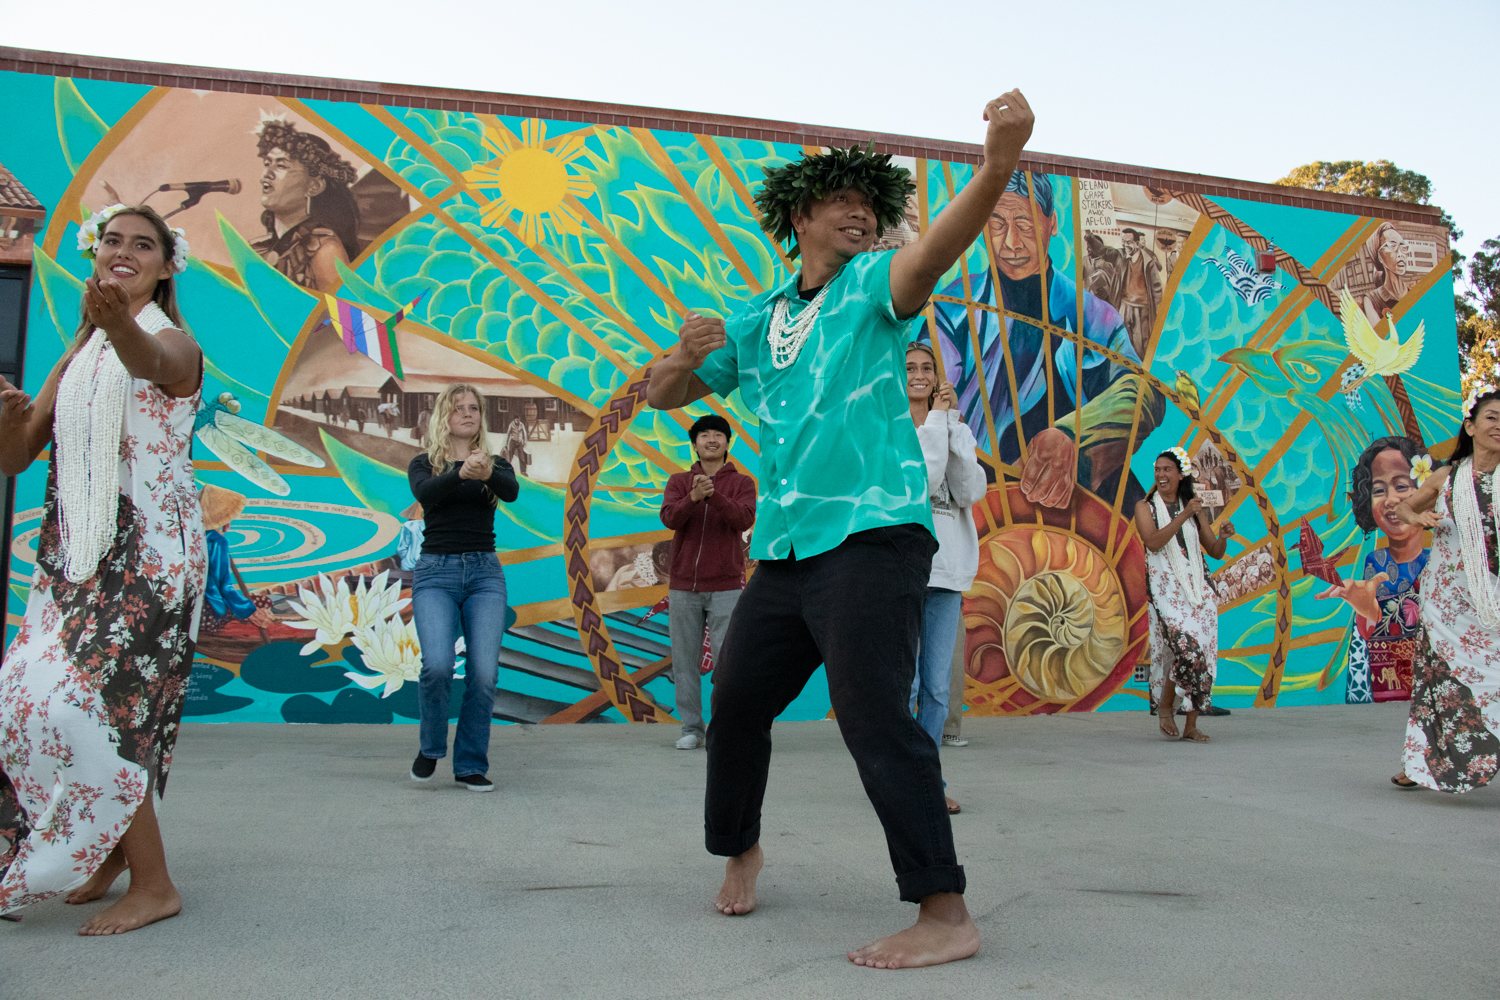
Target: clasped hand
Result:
[703, 488]
[474, 466]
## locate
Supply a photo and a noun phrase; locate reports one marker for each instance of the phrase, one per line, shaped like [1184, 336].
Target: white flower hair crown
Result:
[91, 231]
[1183, 462]
[1480, 390]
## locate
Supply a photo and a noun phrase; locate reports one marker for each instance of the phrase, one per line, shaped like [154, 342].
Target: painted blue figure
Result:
[224, 595]
[1056, 453]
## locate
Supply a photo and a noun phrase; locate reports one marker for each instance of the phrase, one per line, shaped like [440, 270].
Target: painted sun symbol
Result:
[531, 178]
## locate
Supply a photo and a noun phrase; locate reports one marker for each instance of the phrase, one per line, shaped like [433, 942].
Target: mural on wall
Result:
[1093, 325]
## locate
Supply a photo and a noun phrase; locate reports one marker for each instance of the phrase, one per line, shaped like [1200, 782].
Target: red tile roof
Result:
[15, 200]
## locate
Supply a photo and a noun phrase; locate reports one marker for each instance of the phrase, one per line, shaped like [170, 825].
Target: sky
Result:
[1244, 90]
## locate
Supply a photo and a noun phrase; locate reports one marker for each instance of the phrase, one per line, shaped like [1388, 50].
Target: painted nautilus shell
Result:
[1056, 616]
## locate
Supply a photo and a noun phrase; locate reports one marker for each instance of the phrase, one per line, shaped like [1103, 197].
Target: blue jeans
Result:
[929, 688]
[449, 592]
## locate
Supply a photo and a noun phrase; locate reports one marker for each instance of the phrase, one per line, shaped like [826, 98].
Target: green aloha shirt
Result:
[838, 449]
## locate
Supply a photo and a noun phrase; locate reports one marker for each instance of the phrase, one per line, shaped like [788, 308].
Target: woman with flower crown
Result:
[91, 689]
[1183, 608]
[1453, 732]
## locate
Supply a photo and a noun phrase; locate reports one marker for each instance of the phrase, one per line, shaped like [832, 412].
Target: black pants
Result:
[857, 609]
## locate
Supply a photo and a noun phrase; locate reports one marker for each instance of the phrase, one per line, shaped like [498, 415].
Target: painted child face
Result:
[1390, 484]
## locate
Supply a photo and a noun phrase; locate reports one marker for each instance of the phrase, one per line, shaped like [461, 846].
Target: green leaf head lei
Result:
[791, 188]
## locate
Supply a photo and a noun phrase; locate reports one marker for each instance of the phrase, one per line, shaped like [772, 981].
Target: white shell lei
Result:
[90, 411]
[1472, 542]
[1188, 569]
[786, 339]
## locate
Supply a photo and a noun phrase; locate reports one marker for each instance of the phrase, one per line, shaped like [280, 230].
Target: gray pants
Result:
[956, 685]
[689, 611]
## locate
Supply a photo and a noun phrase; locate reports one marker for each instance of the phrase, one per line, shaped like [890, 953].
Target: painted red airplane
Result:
[1314, 563]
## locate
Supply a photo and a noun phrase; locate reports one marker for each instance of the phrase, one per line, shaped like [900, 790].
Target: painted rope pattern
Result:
[633, 701]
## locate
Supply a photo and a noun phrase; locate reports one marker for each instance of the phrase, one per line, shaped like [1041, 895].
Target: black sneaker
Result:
[422, 768]
[476, 782]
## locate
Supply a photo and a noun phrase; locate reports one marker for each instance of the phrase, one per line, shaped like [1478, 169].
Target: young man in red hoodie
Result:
[710, 507]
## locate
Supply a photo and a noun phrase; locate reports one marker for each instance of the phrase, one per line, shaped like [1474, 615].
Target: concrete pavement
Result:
[1277, 861]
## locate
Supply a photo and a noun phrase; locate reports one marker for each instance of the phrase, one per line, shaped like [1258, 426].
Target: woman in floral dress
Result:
[1183, 609]
[92, 687]
[1453, 732]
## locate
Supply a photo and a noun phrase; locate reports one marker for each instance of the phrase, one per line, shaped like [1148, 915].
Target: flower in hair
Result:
[1183, 462]
[1475, 395]
[90, 230]
[1421, 468]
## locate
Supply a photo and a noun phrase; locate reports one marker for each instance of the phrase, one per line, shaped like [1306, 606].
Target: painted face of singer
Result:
[286, 187]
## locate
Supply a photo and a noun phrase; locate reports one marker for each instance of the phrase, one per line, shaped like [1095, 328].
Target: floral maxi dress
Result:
[92, 687]
[1184, 635]
[1451, 735]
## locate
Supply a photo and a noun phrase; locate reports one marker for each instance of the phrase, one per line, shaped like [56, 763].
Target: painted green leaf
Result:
[78, 128]
[281, 303]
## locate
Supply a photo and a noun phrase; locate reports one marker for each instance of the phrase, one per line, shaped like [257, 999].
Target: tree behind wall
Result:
[1375, 179]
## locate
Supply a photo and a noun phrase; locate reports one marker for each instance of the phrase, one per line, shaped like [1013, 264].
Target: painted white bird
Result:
[1379, 355]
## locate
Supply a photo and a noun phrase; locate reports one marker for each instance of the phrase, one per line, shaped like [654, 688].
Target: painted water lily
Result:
[390, 649]
[330, 613]
[1421, 468]
[375, 602]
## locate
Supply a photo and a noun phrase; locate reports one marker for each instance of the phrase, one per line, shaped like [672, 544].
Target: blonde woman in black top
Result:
[458, 587]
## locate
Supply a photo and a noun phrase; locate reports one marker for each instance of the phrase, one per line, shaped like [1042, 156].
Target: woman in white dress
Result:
[1453, 732]
[92, 687]
[1183, 609]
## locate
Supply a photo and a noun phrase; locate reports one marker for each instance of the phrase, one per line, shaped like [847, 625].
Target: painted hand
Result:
[1051, 469]
[699, 337]
[1360, 595]
[1010, 121]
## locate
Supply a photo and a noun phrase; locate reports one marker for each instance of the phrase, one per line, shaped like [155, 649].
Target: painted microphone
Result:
[200, 188]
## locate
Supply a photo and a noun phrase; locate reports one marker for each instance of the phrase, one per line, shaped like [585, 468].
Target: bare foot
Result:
[737, 897]
[953, 807]
[1167, 725]
[97, 887]
[944, 932]
[135, 909]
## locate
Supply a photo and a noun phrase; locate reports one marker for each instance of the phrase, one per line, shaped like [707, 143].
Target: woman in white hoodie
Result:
[955, 482]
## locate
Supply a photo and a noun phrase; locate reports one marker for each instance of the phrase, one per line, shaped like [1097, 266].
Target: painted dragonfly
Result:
[226, 434]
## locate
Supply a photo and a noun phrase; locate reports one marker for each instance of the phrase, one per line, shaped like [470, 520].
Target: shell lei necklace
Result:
[1188, 569]
[1472, 542]
[786, 339]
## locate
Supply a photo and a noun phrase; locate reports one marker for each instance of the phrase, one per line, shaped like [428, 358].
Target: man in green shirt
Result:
[844, 537]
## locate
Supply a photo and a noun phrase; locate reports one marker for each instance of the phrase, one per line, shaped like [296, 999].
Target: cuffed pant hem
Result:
[731, 845]
[918, 885]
